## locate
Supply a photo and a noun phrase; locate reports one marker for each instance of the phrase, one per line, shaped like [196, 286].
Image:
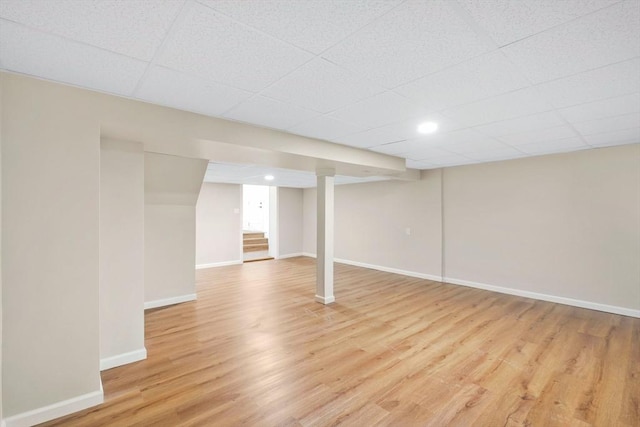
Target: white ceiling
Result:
[503, 78]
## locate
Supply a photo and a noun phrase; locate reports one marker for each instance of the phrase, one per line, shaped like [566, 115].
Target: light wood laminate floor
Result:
[256, 350]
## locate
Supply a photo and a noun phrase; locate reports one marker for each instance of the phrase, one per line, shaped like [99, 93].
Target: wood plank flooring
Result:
[256, 350]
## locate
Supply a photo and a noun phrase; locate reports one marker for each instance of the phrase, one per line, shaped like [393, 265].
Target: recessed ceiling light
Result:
[427, 127]
[269, 177]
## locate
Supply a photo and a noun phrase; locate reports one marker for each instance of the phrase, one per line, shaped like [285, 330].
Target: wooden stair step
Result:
[256, 247]
[255, 240]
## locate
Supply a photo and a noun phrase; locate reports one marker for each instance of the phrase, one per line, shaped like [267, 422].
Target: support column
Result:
[324, 275]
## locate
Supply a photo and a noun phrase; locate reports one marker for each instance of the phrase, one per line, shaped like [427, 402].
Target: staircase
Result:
[253, 241]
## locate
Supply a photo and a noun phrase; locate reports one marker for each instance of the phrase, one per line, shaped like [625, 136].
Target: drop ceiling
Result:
[502, 78]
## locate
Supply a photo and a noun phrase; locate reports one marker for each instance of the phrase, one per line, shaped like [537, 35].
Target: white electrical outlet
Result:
[407, 231]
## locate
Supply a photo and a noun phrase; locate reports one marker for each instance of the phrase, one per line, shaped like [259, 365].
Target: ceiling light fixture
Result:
[427, 127]
[269, 177]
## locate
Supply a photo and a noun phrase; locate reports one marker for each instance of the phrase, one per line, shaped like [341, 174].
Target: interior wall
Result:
[566, 225]
[290, 218]
[121, 248]
[219, 225]
[309, 218]
[1, 137]
[395, 224]
[50, 177]
[50, 210]
[171, 186]
[390, 224]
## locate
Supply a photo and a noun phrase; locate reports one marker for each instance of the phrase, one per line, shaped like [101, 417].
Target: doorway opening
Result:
[255, 223]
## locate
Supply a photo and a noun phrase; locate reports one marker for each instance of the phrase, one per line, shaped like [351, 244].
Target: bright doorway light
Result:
[427, 127]
[269, 177]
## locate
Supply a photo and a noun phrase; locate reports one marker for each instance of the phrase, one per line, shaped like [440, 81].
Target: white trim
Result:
[325, 300]
[285, 256]
[218, 264]
[57, 410]
[390, 269]
[123, 359]
[546, 297]
[510, 291]
[169, 301]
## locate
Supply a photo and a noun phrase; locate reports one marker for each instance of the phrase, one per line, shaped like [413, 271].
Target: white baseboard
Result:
[325, 300]
[218, 264]
[285, 256]
[123, 359]
[546, 297]
[57, 410]
[390, 269]
[169, 301]
[510, 291]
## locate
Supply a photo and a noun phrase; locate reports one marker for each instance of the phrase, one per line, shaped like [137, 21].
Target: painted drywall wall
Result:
[566, 225]
[309, 218]
[121, 249]
[391, 224]
[290, 219]
[1, 136]
[219, 225]
[171, 186]
[50, 208]
[51, 144]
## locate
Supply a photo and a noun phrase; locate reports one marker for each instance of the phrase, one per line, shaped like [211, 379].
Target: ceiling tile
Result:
[521, 124]
[379, 110]
[366, 139]
[549, 134]
[609, 124]
[451, 160]
[416, 164]
[626, 136]
[322, 86]
[414, 39]
[557, 146]
[497, 154]
[601, 38]
[268, 112]
[408, 129]
[482, 77]
[325, 127]
[472, 147]
[215, 48]
[311, 25]
[51, 57]
[604, 108]
[522, 102]
[135, 27]
[414, 149]
[606, 82]
[178, 90]
[507, 21]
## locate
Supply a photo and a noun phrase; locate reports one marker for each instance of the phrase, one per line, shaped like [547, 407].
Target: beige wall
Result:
[121, 248]
[566, 225]
[218, 224]
[171, 186]
[1, 137]
[50, 177]
[371, 222]
[50, 202]
[309, 206]
[290, 218]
